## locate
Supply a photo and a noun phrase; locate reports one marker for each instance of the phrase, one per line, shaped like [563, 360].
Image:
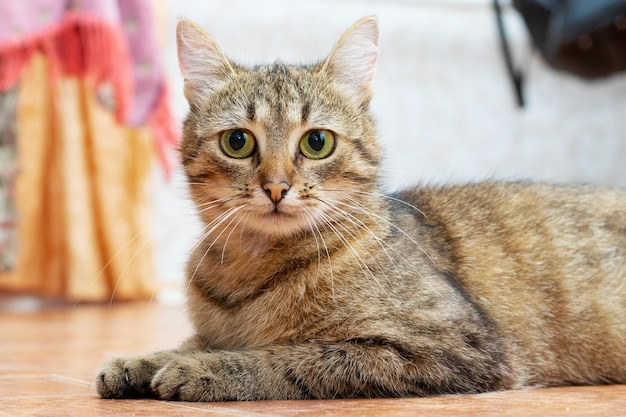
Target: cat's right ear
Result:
[202, 64]
[352, 62]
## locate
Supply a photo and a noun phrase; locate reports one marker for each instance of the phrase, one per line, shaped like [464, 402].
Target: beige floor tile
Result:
[49, 359]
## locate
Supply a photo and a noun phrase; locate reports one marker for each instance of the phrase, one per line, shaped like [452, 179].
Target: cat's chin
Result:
[277, 224]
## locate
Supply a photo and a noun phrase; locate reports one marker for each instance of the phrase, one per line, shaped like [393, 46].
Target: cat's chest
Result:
[302, 298]
[253, 297]
[276, 315]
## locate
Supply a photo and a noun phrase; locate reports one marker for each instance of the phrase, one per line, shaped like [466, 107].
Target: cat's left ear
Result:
[352, 62]
[201, 62]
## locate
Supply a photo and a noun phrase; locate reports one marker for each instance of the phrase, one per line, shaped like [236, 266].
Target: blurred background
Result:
[443, 99]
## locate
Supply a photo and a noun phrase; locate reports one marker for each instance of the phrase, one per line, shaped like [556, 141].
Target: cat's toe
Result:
[112, 380]
[184, 380]
[124, 378]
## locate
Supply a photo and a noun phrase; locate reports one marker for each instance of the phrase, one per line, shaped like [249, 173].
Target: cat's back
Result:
[550, 225]
[524, 237]
[547, 264]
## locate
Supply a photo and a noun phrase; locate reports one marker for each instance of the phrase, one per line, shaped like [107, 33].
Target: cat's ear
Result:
[352, 62]
[202, 64]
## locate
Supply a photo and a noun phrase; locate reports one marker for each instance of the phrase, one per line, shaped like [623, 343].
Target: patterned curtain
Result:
[8, 172]
[84, 116]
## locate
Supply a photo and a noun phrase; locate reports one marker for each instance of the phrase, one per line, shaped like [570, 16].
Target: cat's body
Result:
[309, 283]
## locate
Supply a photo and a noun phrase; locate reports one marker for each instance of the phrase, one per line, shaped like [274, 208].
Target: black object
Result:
[583, 37]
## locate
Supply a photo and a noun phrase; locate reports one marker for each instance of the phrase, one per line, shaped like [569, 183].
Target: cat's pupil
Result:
[316, 140]
[237, 140]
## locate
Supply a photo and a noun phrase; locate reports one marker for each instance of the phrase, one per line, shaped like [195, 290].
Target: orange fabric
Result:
[89, 46]
[81, 195]
[79, 45]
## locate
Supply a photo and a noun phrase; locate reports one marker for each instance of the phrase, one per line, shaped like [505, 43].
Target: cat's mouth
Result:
[278, 213]
[277, 222]
[280, 209]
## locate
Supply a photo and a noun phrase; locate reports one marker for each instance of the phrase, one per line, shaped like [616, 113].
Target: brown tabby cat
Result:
[310, 283]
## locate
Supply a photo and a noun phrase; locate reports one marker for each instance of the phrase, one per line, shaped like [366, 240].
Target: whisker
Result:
[213, 202]
[355, 254]
[388, 197]
[210, 224]
[123, 271]
[359, 207]
[111, 259]
[366, 211]
[357, 223]
[216, 223]
[111, 267]
[230, 234]
[316, 231]
[317, 242]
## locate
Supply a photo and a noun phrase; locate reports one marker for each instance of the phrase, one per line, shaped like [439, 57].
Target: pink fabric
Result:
[26, 20]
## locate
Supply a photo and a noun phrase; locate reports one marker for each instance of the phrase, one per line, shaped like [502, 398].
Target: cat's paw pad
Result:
[125, 378]
[185, 379]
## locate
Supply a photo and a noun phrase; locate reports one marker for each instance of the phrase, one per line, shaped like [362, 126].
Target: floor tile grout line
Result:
[46, 396]
[189, 406]
[216, 408]
[53, 376]
[72, 380]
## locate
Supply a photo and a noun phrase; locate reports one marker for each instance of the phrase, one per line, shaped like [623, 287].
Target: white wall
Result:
[443, 100]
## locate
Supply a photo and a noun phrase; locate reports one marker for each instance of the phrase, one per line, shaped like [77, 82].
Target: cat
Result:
[310, 283]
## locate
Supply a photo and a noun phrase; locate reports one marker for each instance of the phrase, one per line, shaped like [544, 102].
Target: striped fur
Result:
[328, 288]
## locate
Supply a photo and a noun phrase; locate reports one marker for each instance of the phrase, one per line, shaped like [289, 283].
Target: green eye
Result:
[237, 143]
[317, 144]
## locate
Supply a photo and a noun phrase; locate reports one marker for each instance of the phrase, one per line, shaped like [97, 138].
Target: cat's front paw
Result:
[188, 379]
[125, 378]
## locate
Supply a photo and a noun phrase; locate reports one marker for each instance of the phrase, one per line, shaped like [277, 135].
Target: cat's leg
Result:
[363, 368]
[131, 377]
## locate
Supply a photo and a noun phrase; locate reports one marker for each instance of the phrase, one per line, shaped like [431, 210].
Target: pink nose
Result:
[276, 190]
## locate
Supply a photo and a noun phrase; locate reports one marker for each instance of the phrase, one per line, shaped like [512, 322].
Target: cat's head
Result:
[278, 149]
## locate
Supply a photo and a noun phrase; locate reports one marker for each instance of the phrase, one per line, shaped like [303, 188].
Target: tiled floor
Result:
[48, 360]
